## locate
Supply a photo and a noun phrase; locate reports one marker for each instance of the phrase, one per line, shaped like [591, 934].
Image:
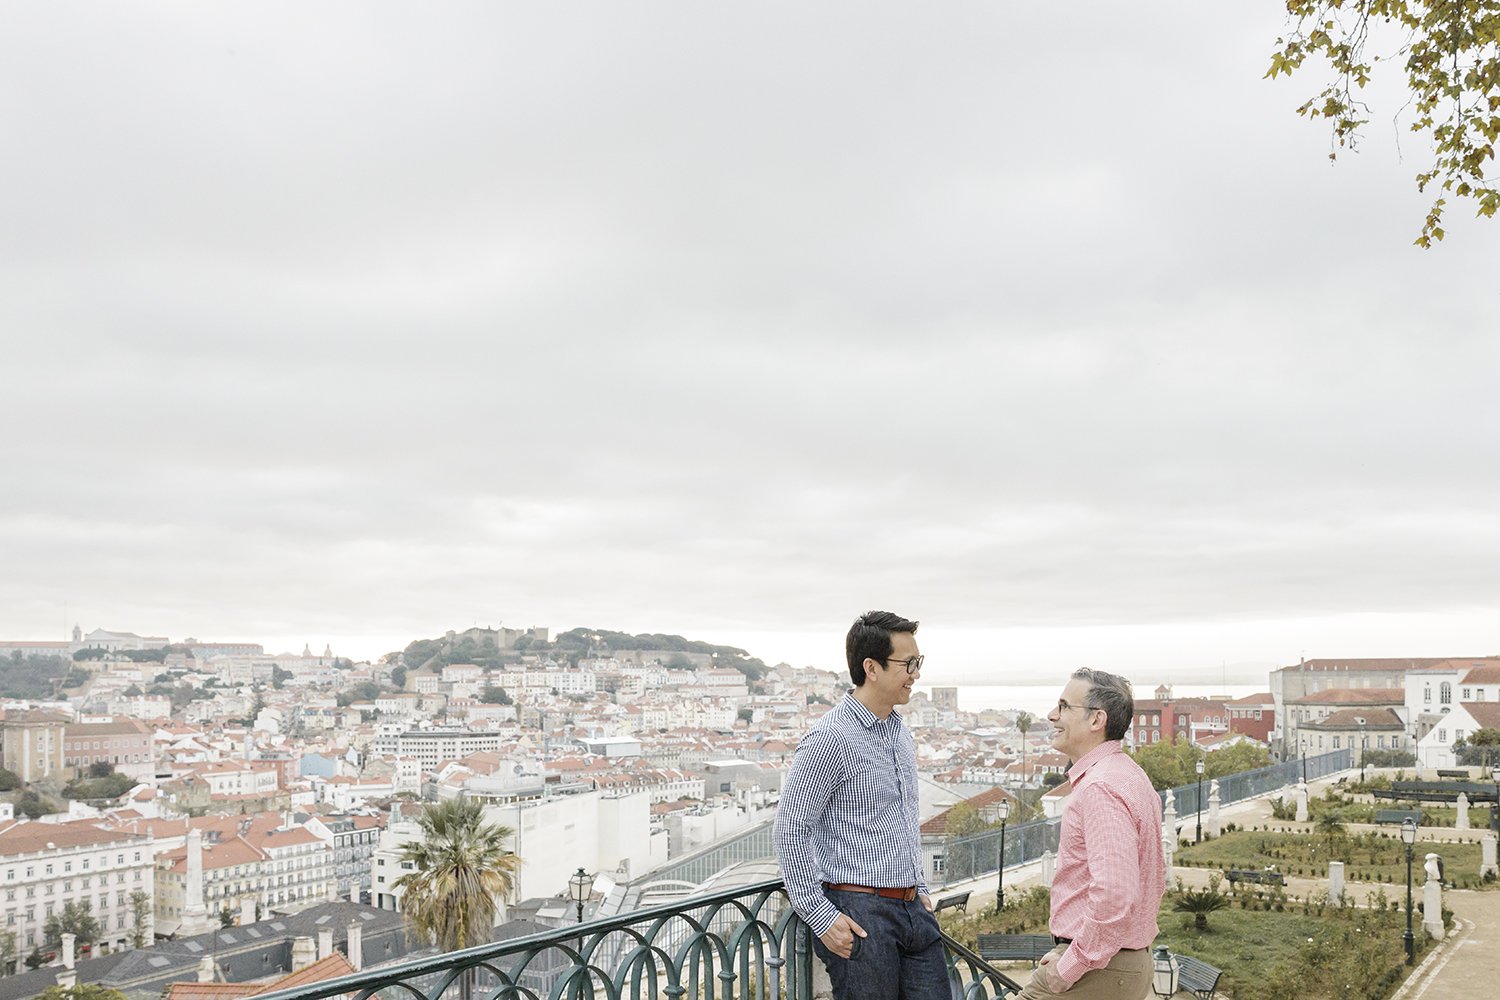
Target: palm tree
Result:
[1023, 726]
[1200, 902]
[1331, 823]
[462, 868]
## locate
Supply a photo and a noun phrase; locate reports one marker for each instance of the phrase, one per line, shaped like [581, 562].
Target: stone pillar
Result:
[1432, 900]
[1302, 802]
[354, 888]
[1487, 854]
[1169, 820]
[356, 946]
[1335, 880]
[1213, 808]
[194, 912]
[247, 911]
[206, 969]
[325, 942]
[1461, 821]
[1049, 866]
[822, 985]
[1168, 849]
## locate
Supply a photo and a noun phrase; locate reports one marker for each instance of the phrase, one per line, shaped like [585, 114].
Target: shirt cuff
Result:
[1070, 968]
[822, 918]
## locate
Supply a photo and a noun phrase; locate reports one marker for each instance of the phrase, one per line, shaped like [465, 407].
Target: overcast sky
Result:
[1050, 325]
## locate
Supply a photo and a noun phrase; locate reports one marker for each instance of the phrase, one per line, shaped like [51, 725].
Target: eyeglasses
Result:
[912, 663]
[1063, 706]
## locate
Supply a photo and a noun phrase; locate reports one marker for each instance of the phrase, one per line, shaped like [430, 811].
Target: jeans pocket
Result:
[854, 947]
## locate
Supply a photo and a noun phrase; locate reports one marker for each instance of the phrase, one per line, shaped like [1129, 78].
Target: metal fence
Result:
[969, 857]
[744, 943]
[1249, 784]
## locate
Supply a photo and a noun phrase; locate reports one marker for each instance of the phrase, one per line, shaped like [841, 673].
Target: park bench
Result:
[1014, 947]
[1235, 875]
[1452, 773]
[1398, 816]
[1197, 977]
[958, 901]
[1342, 781]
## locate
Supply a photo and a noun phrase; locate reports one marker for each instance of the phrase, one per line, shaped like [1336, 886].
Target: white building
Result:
[47, 865]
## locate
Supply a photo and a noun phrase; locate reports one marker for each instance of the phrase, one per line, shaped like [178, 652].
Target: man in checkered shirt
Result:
[847, 831]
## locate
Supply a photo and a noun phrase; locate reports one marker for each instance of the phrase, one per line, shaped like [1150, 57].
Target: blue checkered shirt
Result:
[848, 810]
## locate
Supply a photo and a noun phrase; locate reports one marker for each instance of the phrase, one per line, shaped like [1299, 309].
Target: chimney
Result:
[206, 969]
[325, 943]
[69, 942]
[247, 911]
[304, 953]
[354, 888]
[356, 946]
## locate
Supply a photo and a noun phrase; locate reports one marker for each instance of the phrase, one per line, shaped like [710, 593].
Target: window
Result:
[1442, 736]
[1335, 742]
[1427, 694]
[1445, 693]
[1468, 694]
[1380, 742]
[1257, 715]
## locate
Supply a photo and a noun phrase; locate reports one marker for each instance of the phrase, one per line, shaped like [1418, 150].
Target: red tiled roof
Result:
[1486, 713]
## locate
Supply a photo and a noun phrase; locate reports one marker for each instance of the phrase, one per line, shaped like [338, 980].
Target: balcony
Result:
[744, 942]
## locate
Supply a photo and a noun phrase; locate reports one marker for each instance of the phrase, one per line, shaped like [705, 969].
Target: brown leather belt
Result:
[907, 894]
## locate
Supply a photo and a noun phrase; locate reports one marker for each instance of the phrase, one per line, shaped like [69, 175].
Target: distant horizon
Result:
[1192, 653]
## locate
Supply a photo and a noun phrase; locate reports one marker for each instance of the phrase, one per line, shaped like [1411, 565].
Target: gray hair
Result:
[1113, 694]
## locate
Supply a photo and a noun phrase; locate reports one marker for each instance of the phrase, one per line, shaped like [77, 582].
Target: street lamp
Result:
[1163, 973]
[1304, 763]
[1409, 837]
[1000, 858]
[1198, 837]
[580, 885]
[1364, 744]
[1495, 809]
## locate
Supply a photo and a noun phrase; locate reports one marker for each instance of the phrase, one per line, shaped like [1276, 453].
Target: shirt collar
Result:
[863, 715]
[1082, 764]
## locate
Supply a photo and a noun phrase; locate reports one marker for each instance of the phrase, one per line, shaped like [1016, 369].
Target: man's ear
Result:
[870, 664]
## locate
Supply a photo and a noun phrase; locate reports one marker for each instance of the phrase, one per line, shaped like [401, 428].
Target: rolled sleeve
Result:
[1113, 849]
[814, 774]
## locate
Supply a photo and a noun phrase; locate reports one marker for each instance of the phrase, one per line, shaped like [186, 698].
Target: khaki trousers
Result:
[1127, 977]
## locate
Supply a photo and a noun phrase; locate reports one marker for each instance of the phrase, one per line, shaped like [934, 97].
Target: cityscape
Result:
[160, 791]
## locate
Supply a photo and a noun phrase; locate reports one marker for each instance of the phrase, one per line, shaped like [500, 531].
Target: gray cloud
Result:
[365, 320]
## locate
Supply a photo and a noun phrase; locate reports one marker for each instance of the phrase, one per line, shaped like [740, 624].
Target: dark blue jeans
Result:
[901, 959]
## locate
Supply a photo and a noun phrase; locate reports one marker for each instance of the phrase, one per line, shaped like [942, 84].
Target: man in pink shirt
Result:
[1111, 873]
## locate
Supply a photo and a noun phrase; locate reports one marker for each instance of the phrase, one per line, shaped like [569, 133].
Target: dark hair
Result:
[1113, 694]
[869, 638]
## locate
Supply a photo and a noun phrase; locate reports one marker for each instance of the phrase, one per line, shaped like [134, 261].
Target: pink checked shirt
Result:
[1111, 873]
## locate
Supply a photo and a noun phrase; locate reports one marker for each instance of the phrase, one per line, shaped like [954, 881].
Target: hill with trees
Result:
[573, 645]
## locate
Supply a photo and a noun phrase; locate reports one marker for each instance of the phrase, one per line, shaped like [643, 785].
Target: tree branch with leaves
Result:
[1450, 53]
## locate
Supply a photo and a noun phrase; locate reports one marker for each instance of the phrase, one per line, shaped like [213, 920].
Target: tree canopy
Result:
[1448, 52]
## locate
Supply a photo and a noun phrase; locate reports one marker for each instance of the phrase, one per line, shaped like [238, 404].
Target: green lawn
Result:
[1370, 857]
[1323, 954]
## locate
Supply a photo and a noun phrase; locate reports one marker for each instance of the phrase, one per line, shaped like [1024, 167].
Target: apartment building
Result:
[32, 742]
[44, 866]
[124, 744]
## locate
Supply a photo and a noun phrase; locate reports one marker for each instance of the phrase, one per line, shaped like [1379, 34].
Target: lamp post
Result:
[1163, 973]
[579, 887]
[1304, 764]
[1198, 837]
[1495, 809]
[1364, 744]
[1409, 837]
[1000, 858]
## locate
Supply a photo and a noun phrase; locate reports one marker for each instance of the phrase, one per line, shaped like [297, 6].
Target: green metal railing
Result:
[739, 944]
